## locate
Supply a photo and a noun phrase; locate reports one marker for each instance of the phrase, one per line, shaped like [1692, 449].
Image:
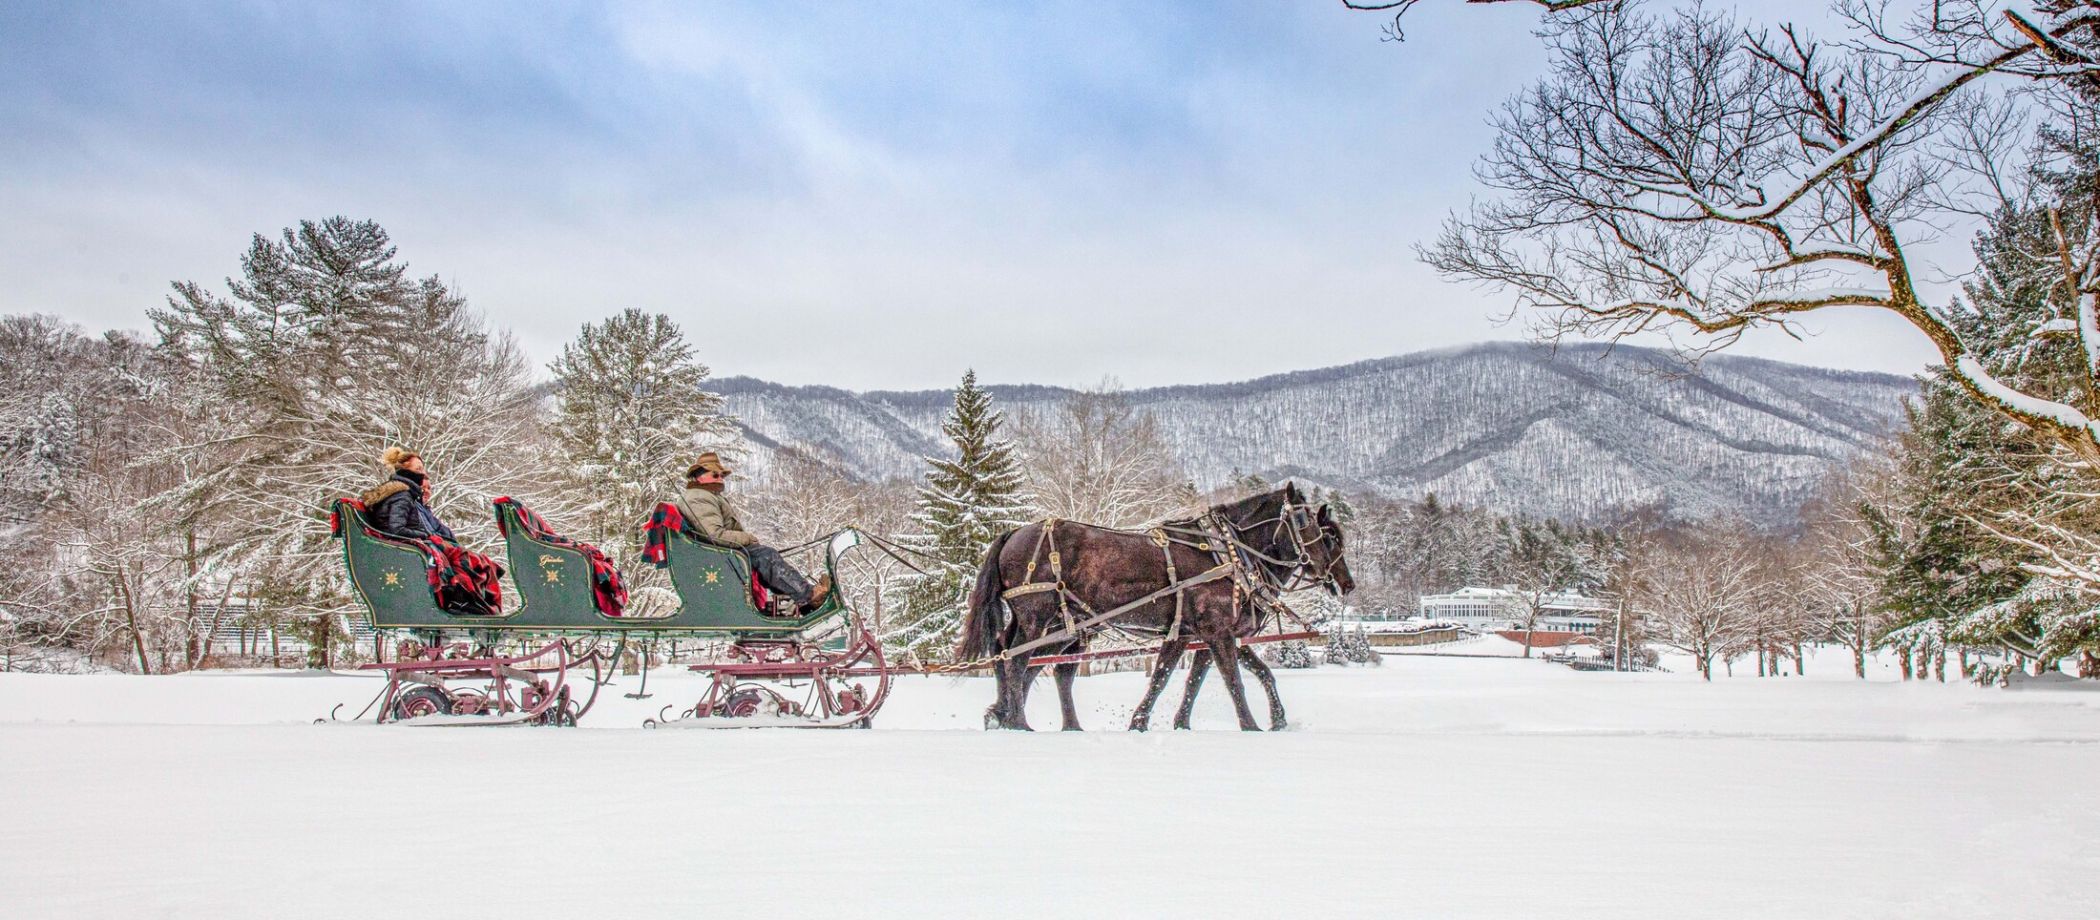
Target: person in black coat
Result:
[400, 506]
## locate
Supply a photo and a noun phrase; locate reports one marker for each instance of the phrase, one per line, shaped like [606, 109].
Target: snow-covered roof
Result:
[1564, 600]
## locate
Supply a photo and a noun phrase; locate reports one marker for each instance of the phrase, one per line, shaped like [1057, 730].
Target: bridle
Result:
[1293, 522]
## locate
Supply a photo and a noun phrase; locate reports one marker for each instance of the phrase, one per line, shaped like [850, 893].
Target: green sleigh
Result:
[390, 577]
[833, 677]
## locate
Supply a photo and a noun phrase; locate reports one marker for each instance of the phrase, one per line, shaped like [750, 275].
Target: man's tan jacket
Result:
[709, 515]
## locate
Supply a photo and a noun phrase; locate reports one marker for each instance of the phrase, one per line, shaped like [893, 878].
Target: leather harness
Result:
[1253, 582]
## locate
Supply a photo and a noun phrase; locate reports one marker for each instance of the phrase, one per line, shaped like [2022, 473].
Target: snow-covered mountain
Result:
[1578, 432]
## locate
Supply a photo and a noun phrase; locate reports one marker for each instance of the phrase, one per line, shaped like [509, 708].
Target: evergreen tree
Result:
[1937, 561]
[1292, 654]
[1979, 502]
[1351, 647]
[326, 353]
[631, 416]
[963, 504]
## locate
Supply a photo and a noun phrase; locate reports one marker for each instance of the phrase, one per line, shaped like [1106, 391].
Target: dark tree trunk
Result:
[321, 645]
[189, 597]
[131, 620]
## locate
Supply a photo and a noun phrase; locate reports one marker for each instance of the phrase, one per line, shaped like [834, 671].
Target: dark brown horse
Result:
[1043, 579]
[1200, 664]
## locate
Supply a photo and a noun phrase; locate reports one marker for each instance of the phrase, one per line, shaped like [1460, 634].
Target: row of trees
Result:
[156, 488]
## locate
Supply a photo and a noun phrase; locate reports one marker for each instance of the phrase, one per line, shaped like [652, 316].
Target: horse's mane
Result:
[1259, 505]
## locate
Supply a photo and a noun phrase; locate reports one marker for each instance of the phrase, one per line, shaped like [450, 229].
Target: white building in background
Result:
[1487, 609]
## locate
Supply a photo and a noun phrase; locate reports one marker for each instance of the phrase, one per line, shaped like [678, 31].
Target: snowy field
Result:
[1432, 787]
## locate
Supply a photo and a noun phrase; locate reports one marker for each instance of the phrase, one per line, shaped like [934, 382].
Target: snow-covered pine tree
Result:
[963, 503]
[631, 416]
[326, 353]
[1292, 654]
[1351, 647]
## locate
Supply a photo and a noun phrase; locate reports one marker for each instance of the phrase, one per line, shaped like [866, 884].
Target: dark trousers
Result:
[777, 575]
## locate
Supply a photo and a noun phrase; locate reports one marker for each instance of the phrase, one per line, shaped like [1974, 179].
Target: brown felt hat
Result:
[708, 463]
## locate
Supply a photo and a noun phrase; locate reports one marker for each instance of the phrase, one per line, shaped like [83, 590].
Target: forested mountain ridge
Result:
[1580, 432]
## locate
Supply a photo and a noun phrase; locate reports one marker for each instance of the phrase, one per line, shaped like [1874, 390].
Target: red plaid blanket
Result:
[606, 590]
[465, 581]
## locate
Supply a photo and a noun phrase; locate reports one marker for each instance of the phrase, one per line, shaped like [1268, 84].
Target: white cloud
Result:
[861, 198]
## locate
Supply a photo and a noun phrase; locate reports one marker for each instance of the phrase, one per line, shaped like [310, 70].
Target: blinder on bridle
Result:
[1303, 525]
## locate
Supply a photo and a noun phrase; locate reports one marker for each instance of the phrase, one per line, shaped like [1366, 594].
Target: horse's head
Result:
[1301, 543]
[1324, 555]
[1317, 538]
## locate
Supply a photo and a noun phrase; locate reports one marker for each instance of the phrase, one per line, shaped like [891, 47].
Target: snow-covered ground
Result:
[1431, 787]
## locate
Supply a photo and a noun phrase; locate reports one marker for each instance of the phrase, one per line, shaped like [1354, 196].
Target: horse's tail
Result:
[982, 623]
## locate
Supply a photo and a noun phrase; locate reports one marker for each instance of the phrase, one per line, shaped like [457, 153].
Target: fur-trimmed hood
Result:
[384, 491]
[400, 510]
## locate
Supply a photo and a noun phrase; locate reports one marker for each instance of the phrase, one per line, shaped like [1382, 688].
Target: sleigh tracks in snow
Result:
[774, 666]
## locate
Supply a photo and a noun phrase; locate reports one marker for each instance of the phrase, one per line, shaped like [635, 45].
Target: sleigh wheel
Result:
[422, 701]
[745, 702]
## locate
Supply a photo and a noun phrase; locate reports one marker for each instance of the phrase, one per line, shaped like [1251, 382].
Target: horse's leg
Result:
[1268, 686]
[995, 714]
[1198, 667]
[1162, 669]
[1012, 709]
[1228, 654]
[1029, 672]
[1065, 673]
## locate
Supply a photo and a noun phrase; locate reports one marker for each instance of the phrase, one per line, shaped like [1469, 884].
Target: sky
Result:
[871, 196]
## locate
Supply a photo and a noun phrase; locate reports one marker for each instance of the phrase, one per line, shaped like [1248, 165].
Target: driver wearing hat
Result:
[708, 515]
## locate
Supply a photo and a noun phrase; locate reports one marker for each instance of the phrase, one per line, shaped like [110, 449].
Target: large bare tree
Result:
[1400, 8]
[1835, 560]
[1682, 170]
[1702, 600]
[1096, 458]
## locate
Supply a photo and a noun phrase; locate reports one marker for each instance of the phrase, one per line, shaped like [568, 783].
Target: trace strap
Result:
[1214, 573]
